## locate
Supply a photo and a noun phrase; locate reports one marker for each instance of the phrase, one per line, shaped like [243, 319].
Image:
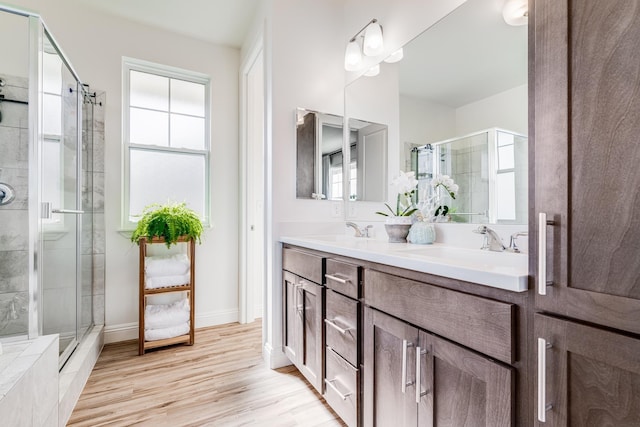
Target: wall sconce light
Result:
[516, 12]
[372, 45]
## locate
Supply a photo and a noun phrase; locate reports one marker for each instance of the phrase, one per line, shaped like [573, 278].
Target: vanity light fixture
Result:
[516, 12]
[372, 45]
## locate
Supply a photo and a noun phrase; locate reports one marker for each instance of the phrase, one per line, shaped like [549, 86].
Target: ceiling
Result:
[223, 22]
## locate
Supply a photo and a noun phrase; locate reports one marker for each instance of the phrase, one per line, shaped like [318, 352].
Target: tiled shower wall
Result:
[97, 174]
[14, 226]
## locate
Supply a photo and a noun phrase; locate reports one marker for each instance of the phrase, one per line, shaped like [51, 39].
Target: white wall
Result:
[15, 49]
[508, 110]
[95, 44]
[304, 48]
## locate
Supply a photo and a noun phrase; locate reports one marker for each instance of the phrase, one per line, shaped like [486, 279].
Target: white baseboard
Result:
[274, 359]
[129, 331]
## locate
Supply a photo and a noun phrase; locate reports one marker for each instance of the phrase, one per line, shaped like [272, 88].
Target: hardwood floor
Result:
[220, 381]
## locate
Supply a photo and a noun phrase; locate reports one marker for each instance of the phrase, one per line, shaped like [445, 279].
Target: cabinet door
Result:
[459, 387]
[389, 371]
[292, 332]
[310, 358]
[587, 122]
[588, 376]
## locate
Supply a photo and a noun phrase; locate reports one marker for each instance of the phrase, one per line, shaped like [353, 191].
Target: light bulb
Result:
[373, 43]
[515, 12]
[352, 56]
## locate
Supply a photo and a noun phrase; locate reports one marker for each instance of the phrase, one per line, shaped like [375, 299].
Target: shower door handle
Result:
[46, 211]
[67, 211]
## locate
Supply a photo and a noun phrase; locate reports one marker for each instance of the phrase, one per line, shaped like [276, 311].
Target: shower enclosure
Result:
[47, 206]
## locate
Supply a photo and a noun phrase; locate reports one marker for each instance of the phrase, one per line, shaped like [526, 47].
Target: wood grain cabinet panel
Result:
[414, 378]
[479, 323]
[341, 325]
[343, 277]
[342, 387]
[303, 264]
[591, 376]
[587, 122]
[303, 337]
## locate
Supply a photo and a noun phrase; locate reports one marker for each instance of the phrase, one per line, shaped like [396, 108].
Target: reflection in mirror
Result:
[489, 166]
[368, 161]
[468, 120]
[319, 168]
[461, 85]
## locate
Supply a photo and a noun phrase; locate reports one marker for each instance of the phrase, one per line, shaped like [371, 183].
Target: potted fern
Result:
[170, 222]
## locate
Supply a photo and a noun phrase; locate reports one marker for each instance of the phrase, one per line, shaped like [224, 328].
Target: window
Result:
[506, 178]
[166, 119]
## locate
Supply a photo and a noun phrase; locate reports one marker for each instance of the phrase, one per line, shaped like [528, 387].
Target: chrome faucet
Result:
[492, 241]
[364, 232]
[513, 247]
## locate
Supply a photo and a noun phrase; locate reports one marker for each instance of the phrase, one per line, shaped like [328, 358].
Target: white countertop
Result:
[501, 270]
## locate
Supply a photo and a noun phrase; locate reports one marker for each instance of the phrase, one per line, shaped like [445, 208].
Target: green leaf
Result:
[381, 213]
[169, 221]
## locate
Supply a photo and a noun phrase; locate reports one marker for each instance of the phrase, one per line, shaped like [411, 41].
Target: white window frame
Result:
[132, 64]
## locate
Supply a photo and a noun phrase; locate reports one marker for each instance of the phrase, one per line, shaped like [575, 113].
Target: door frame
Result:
[245, 301]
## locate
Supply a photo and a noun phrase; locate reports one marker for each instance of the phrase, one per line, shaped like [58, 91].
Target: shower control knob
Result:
[6, 194]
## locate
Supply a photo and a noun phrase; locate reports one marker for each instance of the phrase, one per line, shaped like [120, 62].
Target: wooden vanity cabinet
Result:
[303, 303]
[414, 377]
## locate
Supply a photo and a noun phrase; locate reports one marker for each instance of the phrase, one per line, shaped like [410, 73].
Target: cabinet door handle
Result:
[337, 279]
[405, 345]
[332, 323]
[542, 253]
[330, 384]
[543, 346]
[419, 392]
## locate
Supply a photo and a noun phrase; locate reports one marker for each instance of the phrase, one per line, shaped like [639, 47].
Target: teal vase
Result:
[422, 233]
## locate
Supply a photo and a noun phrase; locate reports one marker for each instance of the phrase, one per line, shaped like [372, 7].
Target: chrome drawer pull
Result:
[332, 323]
[542, 253]
[405, 345]
[329, 384]
[543, 346]
[419, 392]
[337, 279]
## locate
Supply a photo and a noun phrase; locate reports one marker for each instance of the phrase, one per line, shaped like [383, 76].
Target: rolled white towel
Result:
[166, 315]
[166, 265]
[160, 334]
[165, 281]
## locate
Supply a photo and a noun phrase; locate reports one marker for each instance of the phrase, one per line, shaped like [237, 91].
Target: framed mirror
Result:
[457, 105]
[319, 163]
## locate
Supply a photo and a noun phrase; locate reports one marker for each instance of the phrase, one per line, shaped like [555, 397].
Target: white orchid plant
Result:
[405, 184]
[440, 210]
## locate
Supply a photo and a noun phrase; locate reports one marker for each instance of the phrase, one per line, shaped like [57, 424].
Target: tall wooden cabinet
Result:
[587, 211]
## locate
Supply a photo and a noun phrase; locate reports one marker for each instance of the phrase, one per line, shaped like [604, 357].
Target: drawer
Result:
[341, 326]
[482, 324]
[341, 387]
[343, 277]
[303, 264]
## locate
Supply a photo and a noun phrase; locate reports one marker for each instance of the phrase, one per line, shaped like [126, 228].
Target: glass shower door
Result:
[61, 218]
